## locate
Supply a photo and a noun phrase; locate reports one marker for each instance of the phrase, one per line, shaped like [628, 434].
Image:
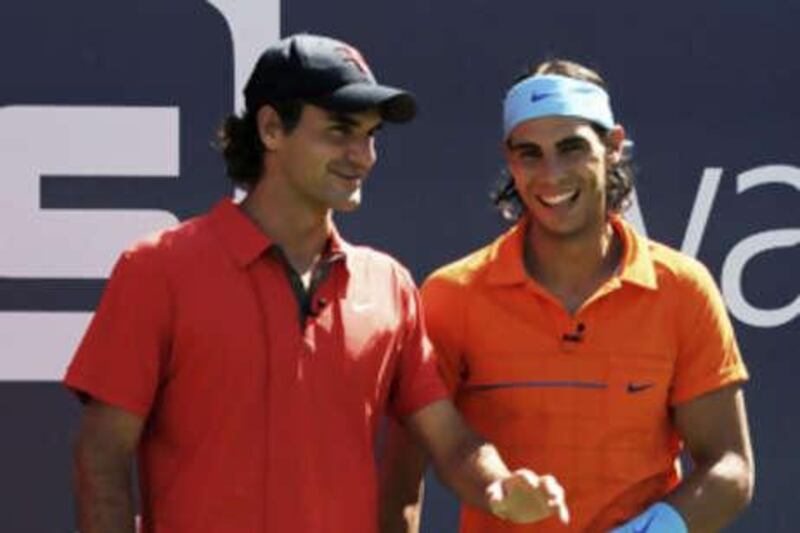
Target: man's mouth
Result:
[347, 176]
[556, 200]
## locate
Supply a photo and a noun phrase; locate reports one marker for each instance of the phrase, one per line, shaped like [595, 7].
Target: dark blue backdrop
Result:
[697, 84]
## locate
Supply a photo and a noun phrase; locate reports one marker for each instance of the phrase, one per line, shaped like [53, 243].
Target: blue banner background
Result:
[697, 85]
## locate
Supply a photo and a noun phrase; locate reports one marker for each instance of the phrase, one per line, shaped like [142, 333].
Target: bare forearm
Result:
[475, 466]
[104, 495]
[474, 470]
[714, 494]
[401, 516]
[401, 470]
[105, 514]
[462, 459]
[103, 461]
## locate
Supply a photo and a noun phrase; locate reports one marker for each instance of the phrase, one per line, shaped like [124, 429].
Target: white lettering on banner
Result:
[77, 141]
[701, 210]
[93, 141]
[38, 346]
[748, 248]
[253, 24]
[698, 218]
[70, 141]
[634, 214]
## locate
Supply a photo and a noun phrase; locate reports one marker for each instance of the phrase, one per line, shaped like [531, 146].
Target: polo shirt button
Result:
[571, 340]
[569, 346]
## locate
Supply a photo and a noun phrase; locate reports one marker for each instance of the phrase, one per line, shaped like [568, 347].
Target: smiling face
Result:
[559, 166]
[323, 162]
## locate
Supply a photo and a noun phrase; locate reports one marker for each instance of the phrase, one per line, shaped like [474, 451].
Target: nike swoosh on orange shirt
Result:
[634, 387]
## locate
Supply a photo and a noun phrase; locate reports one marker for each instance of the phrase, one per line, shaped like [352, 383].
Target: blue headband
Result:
[551, 95]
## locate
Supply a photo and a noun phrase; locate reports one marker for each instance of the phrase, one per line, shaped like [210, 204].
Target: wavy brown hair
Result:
[241, 145]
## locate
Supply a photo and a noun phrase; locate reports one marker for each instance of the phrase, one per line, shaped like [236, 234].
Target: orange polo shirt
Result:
[256, 422]
[583, 397]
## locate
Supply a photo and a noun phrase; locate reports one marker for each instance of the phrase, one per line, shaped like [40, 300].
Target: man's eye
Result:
[340, 130]
[573, 148]
[528, 155]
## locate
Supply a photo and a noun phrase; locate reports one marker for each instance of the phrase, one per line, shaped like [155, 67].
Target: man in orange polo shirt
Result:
[577, 345]
[246, 355]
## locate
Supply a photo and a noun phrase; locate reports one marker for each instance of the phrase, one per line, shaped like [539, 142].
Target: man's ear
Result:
[614, 142]
[270, 127]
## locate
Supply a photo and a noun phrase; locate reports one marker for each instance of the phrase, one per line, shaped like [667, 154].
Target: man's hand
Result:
[474, 469]
[523, 497]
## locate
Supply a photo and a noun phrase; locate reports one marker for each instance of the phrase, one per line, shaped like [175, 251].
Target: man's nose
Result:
[361, 152]
[551, 169]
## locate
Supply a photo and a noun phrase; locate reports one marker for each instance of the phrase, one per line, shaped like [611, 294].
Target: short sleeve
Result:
[417, 382]
[708, 355]
[444, 318]
[122, 354]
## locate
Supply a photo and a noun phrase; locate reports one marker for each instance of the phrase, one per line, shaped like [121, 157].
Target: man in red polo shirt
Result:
[577, 345]
[246, 356]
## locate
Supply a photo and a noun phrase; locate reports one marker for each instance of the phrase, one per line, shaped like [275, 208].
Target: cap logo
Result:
[354, 56]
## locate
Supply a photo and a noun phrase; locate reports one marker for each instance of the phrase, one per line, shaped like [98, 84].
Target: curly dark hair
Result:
[241, 146]
[620, 178]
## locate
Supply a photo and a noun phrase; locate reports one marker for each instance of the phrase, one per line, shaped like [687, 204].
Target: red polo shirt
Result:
[255, 422]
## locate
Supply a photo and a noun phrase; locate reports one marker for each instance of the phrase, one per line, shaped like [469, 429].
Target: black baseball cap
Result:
[324, 72]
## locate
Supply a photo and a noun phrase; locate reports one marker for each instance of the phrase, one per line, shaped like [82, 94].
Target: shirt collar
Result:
[336, 248]
[507, 266]
[246, 242]
[636, 266]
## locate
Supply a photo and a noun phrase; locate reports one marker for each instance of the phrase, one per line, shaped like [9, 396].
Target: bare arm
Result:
[103, 459]
[714, 428]
[401, 486]
[463, 461]
[474, 470]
